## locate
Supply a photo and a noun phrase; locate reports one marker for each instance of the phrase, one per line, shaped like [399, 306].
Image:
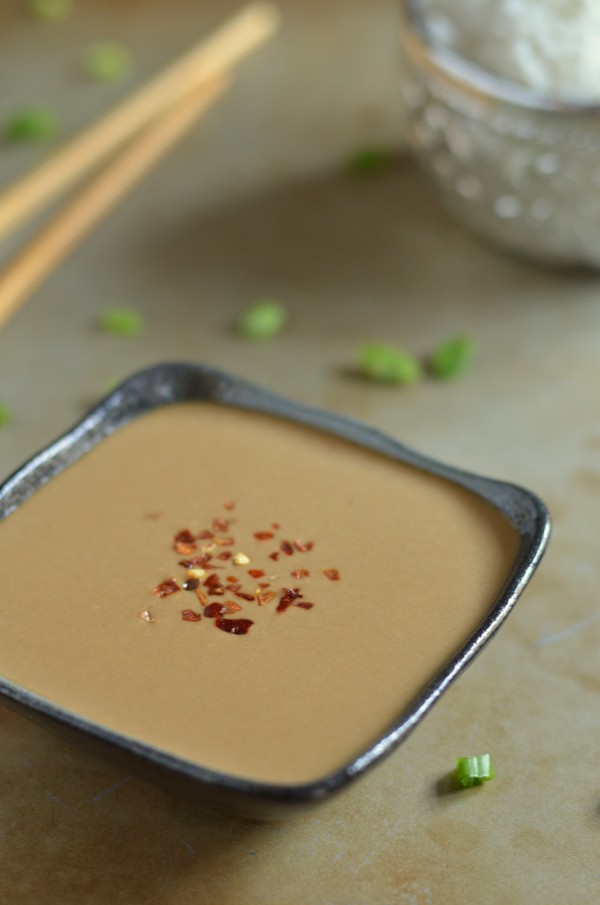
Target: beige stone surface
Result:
[216, 227]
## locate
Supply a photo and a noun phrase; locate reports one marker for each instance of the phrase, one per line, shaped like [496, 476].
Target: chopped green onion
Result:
[453, 357]
[386, 364]
[263, 320]
[369, 161]
[122, 321]
[472, 771]
[5, 414]
[107, 61]
[52, 10]
[31, 124]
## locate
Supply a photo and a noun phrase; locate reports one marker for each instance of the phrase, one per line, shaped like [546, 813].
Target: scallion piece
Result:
[453, 357]
[107, 61]
[386, 364]
[369, 161]
[32, 124]
[472, 771]
[262, 320]
[5, 414]
[121, 321]
[52, 10]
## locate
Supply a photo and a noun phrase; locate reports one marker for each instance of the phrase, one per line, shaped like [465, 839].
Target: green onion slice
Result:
[31, 124]
[121, 321]
[387, 364]
[453, 357]
[263, 320]
[472, 771]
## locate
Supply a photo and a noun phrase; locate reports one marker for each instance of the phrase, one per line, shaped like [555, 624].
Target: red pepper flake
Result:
[303, 604]
[231, 578]
[166, 588]
[263, 535]
[229, 504]
[195, 561]
[256, 573]
[224, 555]
[331, 574]
[216, 591]
[274, 556]
[263, 584]
[242, 595]
[300, 573]
[275, 526]
[264, 597]
[184, 549]
[234, 626]
[191, 584]
[220, 524]
[190, 616]
[212, 580]
[304, 547]
[204, 535]
[288, 598]
[221, 609]
[286, 547]
[201, 598]
[223, 541]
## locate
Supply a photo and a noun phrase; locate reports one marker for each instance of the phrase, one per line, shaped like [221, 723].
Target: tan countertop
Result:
[257, 203]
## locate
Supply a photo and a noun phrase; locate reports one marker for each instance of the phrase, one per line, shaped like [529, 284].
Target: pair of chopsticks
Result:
[147, 124]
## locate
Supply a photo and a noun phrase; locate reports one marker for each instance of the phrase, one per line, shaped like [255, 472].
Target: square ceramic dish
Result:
[163, 385]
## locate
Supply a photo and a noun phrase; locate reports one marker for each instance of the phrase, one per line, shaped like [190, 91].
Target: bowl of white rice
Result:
[502, 101]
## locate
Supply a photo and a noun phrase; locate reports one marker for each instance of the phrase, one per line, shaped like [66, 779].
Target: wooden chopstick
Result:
[207, 60]
[78, 217]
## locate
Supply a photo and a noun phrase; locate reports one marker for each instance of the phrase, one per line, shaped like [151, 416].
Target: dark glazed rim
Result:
[179, 382]
[473, 78]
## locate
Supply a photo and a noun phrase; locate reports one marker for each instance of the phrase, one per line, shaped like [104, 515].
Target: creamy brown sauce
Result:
[420, 562]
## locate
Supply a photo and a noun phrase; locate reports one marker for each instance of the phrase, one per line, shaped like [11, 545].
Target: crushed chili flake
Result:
[184, 549]
[300, 573]
[234, 626]
[147, 616]
[184, 537]
[263, 535]
[220, 524]
[231, 578]
[223, 541]
[221, 609]
[243, 595]
[275, 526]
[213, 579]
[331, 574]
[229, 504]
[286, 547]
[256, 573]
[194, 561]
[288, 598]
[264, 597]
[190, 616]
[191, 584]
[240, 559]
[304, 605]
[204, 535]
[224, 555]
[166, 587]
[274, 556]
[202, 599]
[216, 591]
[264, 584]
[304, 546]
